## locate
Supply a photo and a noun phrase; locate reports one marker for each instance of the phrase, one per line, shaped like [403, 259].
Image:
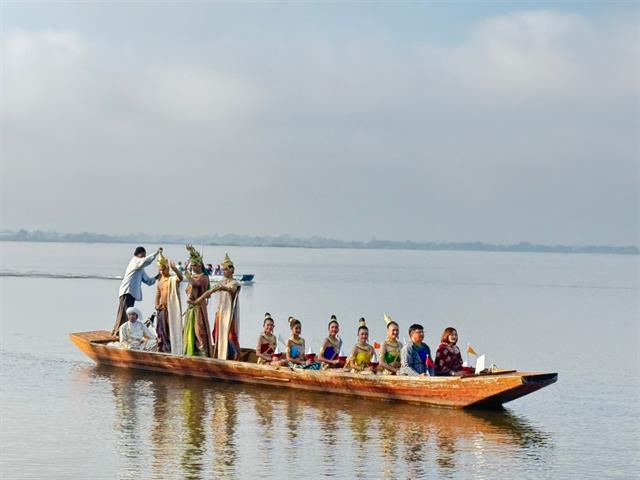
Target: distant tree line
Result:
[311, 242]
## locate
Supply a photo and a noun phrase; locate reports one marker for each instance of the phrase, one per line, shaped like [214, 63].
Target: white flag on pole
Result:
[480, 364]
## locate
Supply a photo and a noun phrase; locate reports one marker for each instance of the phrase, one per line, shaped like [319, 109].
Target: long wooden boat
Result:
[484, 390]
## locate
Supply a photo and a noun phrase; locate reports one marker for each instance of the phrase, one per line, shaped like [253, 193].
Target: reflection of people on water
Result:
[127, 424]
[163, 432]
[390, 349]
[413, 357]
[131, 287]
[194, 413]
[415, 440]
[448, 357]
[360, 359]
[135, 335]
[196, 338]
[168, 308]
[388, 433]
[224, 422]
[359, 425]
[330, 350]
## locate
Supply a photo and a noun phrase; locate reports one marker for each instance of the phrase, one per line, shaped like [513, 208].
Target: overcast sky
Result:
[415, 121]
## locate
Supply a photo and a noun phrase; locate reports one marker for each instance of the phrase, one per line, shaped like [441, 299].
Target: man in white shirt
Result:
[135, 335]
[131, 286]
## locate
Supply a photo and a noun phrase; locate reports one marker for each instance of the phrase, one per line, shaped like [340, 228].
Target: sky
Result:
[426, 121]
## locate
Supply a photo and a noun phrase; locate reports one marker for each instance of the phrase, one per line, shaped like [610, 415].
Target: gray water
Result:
[63, 417]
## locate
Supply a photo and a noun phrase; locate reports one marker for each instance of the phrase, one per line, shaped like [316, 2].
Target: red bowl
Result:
[310, 356]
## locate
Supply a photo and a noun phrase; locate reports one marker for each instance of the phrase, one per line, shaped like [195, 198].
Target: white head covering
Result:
[131, 310]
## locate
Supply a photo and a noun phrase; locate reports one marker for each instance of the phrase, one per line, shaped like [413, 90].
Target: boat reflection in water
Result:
[182, 427]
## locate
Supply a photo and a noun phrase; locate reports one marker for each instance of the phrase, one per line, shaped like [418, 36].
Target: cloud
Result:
[52, 78]
[42, 72]
[534, 115]
[546, 54]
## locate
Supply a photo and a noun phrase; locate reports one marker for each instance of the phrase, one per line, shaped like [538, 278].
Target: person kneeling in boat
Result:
[390, 349]
[362, 354]
[267, 343]
[413, 356]
[295, 348]
[135, 335]
[330, 350]
[448, 357]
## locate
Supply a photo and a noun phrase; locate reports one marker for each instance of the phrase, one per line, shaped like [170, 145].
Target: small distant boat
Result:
[240, 277]
[482, 390]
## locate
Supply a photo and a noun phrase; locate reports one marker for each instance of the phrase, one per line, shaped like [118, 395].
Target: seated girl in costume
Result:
[331, 346]
[360, 359]
[390, 349]
[267, 342]
[448, 357]
[296, 346]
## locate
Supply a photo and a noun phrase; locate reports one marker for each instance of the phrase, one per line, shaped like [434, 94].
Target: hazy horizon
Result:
[427, 122]
[287, 240]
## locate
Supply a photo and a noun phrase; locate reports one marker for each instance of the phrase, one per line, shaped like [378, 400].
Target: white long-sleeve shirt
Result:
[135, 275]
[133, 334]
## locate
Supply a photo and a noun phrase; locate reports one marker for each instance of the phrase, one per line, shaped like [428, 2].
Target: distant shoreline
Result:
[285, 241]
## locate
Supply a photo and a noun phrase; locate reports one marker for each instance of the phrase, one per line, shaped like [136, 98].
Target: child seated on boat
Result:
[390, 349]
[448, 357]
[296, 346]
[362, 354]
[413, 356]
[135, 335]
[267, 343]
[330, 350]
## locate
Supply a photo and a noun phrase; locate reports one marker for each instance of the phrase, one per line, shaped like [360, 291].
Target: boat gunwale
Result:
[524, 376]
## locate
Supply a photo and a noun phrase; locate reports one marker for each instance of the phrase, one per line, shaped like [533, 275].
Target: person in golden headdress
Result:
[168, 308]
[267, 341]
[330, 350]
[296, 347]
[390, 348]
[196, 333]
[360, 359]
[226, 326]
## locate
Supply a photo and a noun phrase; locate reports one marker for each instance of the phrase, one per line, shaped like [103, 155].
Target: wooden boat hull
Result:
[479, 390]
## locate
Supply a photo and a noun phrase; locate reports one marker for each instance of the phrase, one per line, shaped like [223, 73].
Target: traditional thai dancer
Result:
[169, 310]
[267, 341]
[135, 335]
[330, 350]
[448, 357]
[360, 359]
[226, 326]
[390, 348]
[131, 287]
[197, 333]
[296, 348]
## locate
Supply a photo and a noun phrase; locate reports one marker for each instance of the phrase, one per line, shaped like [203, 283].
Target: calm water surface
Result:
[63, 417]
